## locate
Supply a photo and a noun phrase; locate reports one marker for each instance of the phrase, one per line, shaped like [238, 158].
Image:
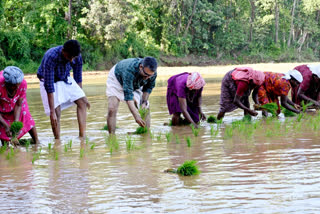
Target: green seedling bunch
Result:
[112, 143]
[36, 156]
[141, 130]
[214, 131]
[129, 143]
[159, 136]
[3, 148]
[15, 128]
[65, 147]
[189, 141]
[70, 144]
[143, 113]
[271, 108]
[168, 136]
[49, 146]
[56, 155]
[228, 132]
[212, 119]
[305, 106]
[188, 168]
[195, 131]
[92, 146]
[10, 153]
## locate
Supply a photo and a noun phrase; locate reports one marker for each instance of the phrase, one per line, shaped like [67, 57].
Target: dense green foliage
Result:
[15, 128]
[239, 31]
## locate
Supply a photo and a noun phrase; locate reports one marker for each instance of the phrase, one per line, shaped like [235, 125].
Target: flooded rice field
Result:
[266, 166]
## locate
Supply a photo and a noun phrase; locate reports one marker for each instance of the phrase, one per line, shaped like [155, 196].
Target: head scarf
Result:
[295, 74]
[13, 75]
[315, 69]
[195, 81]
[247, 74]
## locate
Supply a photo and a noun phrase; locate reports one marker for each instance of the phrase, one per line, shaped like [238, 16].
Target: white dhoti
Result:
[114, 88]
[64, 95]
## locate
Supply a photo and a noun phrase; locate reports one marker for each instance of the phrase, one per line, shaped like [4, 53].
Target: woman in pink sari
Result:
[236, 87]
[14, 106]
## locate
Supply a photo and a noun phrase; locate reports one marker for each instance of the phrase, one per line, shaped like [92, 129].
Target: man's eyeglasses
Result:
[145, 73]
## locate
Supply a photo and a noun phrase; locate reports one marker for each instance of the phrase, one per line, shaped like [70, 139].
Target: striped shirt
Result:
[54, 67]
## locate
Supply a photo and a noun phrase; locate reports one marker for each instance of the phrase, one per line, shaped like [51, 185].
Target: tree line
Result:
[224, 31]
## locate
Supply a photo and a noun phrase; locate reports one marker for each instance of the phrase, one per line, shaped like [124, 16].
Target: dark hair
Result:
[72, 47]
[150, 63]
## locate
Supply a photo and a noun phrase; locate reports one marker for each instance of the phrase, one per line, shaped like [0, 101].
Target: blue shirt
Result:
[54, 67]
[127, 73]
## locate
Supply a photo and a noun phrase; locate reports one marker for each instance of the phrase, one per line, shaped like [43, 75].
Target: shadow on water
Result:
[269, 167]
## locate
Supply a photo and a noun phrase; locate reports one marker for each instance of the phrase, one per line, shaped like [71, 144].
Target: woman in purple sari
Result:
[184, 96]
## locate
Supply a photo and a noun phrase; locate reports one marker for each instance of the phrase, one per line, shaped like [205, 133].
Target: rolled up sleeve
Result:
[77, 69]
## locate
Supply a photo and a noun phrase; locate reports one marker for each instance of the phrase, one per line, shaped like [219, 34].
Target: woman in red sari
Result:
[278, 85]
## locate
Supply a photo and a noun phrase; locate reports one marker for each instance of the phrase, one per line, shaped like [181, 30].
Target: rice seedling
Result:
[81, 152]
[151, 134]
[177, 139]
[214, 131]
[189, 141]
[129, 143]
[3, 148]
[287, 113]
[228, 132]
[92, 146]
[65, 148]
[159, 136]
[168, 136]
[143, 113]
[195, 131]
[49, 146]
[112, 143]
[36, 155]
[271, 108]
[56, 155]
[305, 106]
[188, 168]
[15, 127]
[105, 127]
[87, 140]
[212, 119]
[299, 117]
[10, 153]
[70, 144]
[246, 118]
[141, 130]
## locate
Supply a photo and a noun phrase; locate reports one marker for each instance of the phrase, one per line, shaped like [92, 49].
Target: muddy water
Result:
[274, 173]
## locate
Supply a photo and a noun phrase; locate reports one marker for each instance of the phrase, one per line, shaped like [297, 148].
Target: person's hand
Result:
[140, 121]
[202, 116]
[196, 126]
[87, 102]
[14, 142]
[256, 106]
[144, 105]
[317, 104]
[296, 106]
[253, 113]
[7, 129]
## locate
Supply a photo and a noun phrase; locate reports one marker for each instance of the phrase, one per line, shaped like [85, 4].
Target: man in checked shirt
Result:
[58, 89]
[130, 80]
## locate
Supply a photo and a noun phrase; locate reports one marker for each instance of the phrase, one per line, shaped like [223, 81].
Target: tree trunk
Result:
[276, 11]
[190, 19]
[291, 26]
[69, 20]
[302, 40]
[252, 18]
[180, 18]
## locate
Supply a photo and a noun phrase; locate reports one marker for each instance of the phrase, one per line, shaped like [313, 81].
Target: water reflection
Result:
[240, 174]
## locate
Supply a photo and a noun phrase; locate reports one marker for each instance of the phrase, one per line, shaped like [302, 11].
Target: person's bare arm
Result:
[17, 109]
[183, 106]
[134, 111]
[301, 95]
[238, 103]
[53, 116]
[285, 103]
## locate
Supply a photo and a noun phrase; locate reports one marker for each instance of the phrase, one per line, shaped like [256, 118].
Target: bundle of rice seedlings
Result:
[212, 119]
[271, 108]
[188, 168]
[141, 130]
[287, 113]
[15, 128]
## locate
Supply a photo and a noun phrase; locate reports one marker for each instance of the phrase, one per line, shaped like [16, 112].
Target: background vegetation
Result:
[177, 32]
